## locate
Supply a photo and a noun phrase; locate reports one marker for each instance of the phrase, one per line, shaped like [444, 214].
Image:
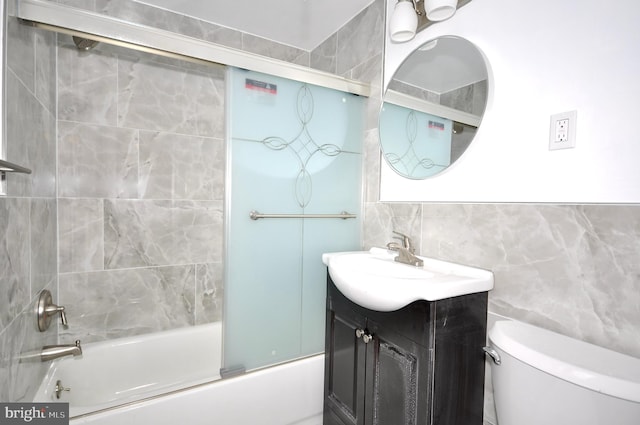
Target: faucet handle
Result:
[406, 241]
[52, 309]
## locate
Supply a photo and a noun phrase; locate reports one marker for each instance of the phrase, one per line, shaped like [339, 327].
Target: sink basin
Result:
[374, 280]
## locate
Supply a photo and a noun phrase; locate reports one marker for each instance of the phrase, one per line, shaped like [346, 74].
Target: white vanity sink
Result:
[372, 279]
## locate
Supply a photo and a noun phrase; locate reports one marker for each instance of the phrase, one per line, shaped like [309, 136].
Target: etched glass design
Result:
[421, 142]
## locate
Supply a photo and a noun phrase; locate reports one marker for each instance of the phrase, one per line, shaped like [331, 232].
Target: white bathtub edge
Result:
[288, 394]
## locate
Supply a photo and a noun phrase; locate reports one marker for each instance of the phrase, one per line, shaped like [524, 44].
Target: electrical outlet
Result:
[562, 130]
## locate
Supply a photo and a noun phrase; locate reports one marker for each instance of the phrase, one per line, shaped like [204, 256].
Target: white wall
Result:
[545, 57]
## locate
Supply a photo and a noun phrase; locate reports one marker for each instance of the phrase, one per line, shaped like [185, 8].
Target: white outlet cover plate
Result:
[570, 141]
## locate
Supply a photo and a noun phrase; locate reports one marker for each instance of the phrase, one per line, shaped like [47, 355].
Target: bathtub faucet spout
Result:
[52, 352]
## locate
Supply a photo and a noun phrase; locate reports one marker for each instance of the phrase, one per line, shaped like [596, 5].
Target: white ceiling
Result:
[304, 24]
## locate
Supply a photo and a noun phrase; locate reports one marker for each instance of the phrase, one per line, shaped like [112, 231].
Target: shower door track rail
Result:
[94, 26]
[255, 215]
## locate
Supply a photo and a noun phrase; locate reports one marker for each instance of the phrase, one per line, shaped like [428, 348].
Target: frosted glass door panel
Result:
[325, 236]
[294, 149]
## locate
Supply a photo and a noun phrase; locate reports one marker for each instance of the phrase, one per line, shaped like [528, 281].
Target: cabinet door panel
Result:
[400, 377]
[344, 377]
[394, 387]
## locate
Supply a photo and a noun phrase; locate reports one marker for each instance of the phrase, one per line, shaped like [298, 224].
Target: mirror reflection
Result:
[433, 106]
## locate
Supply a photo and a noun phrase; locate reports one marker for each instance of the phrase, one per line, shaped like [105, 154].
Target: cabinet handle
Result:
[366, 337]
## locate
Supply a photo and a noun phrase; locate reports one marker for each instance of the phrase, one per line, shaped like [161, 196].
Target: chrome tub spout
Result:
[52, 352]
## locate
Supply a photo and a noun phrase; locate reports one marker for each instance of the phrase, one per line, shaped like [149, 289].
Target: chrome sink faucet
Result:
[51, 352]
[406, 251]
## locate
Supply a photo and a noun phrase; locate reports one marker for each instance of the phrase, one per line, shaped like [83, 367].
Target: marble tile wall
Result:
[28, 235]
[141, 187]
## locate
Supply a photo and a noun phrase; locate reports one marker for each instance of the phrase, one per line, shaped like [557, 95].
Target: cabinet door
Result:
[398, 379]
[344, 369]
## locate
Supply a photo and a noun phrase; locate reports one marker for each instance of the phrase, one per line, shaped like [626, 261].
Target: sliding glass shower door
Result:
[294, 162]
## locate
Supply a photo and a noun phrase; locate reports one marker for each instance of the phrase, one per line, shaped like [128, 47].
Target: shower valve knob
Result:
[46, 308]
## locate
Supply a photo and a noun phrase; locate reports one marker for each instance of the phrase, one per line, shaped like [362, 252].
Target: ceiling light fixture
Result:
[410, 16]
[404, 21]
[439, 10]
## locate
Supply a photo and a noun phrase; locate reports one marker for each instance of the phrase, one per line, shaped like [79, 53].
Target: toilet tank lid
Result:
[579, 362]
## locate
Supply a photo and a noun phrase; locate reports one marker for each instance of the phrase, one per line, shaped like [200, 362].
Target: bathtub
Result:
[108, 386]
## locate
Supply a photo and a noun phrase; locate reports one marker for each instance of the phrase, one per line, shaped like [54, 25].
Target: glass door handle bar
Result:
[255, 215]
[8, 167]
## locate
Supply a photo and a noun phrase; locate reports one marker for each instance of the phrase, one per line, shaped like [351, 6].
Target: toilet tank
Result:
[547, 378]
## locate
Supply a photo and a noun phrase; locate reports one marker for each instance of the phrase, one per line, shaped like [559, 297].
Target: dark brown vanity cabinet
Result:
[420, 365]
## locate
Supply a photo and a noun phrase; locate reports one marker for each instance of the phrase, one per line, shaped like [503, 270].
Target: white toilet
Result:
[544, 378]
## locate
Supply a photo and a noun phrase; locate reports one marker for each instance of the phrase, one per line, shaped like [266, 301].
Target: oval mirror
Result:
[433, 106]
